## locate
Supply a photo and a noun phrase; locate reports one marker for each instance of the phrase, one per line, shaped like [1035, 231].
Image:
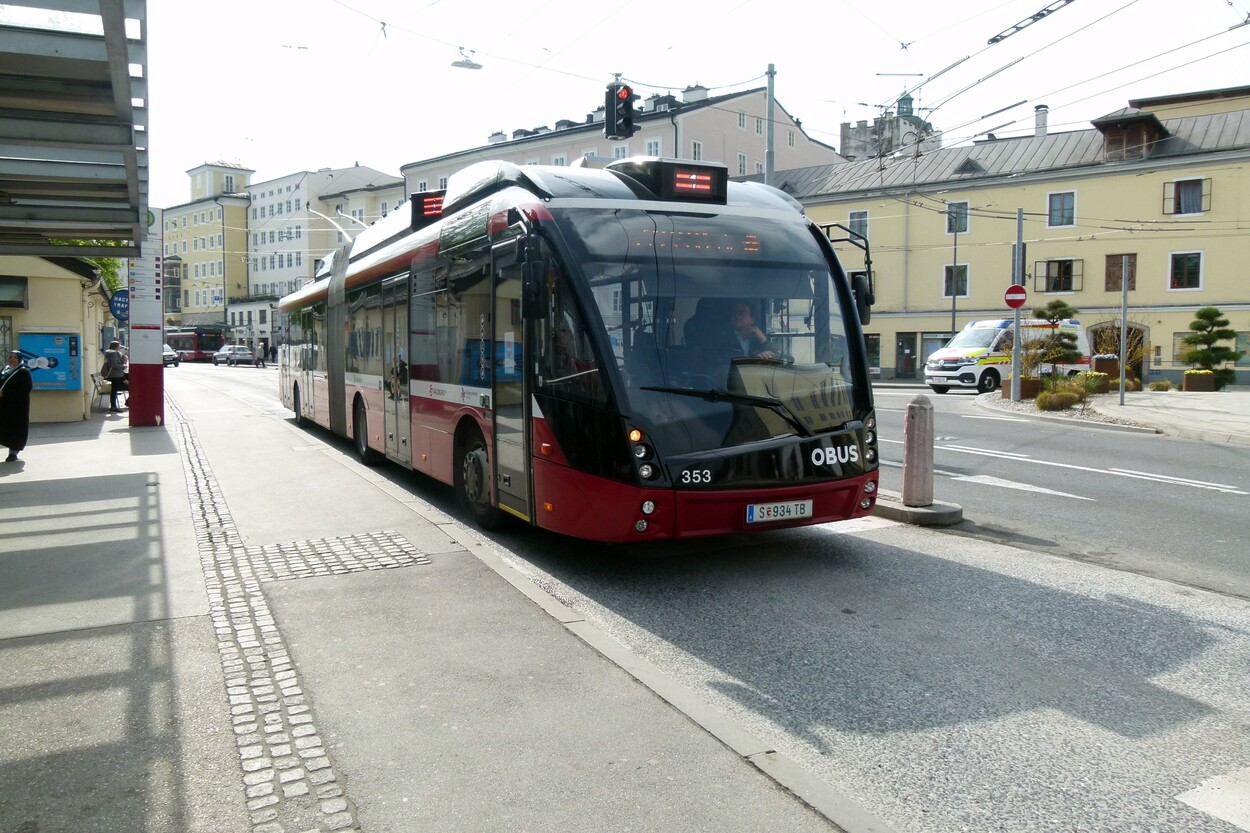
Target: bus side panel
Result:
[370, 390]
[321, 399]
[434, 422]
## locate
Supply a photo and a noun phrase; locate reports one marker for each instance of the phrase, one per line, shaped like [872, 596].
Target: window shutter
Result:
[1169, 198]
[1206, 194]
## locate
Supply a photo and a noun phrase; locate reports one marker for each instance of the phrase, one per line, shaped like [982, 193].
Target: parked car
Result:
[170, 356]
[233, 354]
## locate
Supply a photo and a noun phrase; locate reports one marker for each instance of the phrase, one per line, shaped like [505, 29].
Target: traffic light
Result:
[618, 111]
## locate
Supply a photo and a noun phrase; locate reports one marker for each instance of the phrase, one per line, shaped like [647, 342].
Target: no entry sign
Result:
[1016, 296]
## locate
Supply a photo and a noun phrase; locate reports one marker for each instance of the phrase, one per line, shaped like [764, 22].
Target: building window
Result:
[620, 152]
[759, 127]
[791, 138]
[1059, 275]
[423, 185]
[558, 161]
[385, 208]
[960, 276]
[442, 183]
[653, 147]
[1115, 270]
[742, 120]
[742, 164]
[957, 218]
[1061, 209]
[696, 150]
[616, 299]
[1185, 271]
[1187, 196]
[858, 222]
[759, 167]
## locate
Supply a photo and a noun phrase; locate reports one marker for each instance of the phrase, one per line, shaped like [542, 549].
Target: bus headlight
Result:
[646, 471]
[870, 487]
[641, 451]
[640, 526]
[870, 454]
[648, 506]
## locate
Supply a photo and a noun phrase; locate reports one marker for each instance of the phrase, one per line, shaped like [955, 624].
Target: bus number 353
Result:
[696, 476]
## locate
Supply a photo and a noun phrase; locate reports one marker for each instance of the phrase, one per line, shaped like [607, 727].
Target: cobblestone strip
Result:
[288, 778]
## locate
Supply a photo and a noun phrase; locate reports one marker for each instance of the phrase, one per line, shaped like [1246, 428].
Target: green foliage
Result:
[1058, 347]
[110, 267]
[1057, 400]
[1129, 384]
[1208, 328]
[1161, 385]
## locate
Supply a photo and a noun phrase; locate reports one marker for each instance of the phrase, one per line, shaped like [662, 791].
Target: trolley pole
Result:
[769, 149]
[1017, 277]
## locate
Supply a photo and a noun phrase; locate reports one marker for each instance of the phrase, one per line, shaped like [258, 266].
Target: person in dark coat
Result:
[15, 386]
[747, 338]
[115, 371]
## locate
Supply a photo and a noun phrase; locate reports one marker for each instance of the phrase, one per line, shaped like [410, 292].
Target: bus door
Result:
[511, 406]
[398, 417]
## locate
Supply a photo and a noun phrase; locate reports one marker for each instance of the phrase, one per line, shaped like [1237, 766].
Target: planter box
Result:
[1109, 366]
[1198, 382]
[1030, 387]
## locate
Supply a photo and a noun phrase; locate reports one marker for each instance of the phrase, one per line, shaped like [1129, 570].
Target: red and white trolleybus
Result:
[557, 343]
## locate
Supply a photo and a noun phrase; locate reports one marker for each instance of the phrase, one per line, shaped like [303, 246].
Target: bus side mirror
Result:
[533, 279]
[863, 296]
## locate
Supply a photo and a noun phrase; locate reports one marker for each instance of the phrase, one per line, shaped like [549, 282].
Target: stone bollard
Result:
[918, 453]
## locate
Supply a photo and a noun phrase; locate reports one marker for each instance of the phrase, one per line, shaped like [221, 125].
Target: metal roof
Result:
[73, 126]
[998, 159]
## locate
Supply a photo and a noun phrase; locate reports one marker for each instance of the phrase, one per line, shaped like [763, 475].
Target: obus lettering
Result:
[831, 456]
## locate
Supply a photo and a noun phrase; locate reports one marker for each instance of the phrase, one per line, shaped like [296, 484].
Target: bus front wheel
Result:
[473, 481]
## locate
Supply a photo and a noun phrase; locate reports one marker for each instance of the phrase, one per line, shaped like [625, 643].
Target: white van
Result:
[979, 356]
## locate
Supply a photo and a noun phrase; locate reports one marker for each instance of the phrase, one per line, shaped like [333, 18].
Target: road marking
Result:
[1227, 797]
[1011, 484]
[1136, 475]
[999, 419]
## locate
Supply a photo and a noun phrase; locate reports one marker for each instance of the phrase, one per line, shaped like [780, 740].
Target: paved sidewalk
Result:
[228, 624]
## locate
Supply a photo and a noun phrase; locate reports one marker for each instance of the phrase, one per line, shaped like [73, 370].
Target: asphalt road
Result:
[1157, 505]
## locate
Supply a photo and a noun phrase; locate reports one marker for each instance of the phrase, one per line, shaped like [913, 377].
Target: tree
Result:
[1058, 346]
[1208, 328]
[110, 267]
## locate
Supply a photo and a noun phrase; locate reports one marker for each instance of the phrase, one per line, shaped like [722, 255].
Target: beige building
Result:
[730, 129]
[54, 311]
[1158, 196]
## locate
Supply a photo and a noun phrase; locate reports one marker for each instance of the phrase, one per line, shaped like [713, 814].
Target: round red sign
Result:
[1016, 296]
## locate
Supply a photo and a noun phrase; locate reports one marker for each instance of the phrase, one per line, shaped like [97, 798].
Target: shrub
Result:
[1163, 385]
[1056, 400]
[1210, 327]
[1129, 384]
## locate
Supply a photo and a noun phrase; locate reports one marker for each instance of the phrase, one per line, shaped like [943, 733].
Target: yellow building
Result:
[1161, 197]
[53, 310]
[205, 246]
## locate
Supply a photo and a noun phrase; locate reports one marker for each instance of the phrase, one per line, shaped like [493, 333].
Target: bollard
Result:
[918, 453]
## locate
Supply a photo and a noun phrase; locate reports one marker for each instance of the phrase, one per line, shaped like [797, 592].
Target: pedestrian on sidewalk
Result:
[114, 370]
[258, 355]
[15, 386]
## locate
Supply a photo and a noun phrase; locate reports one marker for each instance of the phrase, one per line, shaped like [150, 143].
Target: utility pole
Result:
[953, 214]
[769, 151]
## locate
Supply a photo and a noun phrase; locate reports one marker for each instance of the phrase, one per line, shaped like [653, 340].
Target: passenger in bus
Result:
[747, 338]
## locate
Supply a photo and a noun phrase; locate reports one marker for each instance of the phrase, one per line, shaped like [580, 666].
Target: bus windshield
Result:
[722, 333]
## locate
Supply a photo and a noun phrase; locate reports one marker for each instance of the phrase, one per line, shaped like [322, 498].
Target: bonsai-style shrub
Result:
[1208, 328]
[1058, 347]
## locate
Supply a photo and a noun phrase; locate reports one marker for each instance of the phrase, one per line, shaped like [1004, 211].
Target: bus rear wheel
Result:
[473, 481]
[360, 428]
[299, 414]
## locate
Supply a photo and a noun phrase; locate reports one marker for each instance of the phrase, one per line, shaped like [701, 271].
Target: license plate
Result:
[758, 513]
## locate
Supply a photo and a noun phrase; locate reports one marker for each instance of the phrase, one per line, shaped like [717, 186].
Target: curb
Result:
[890, 506]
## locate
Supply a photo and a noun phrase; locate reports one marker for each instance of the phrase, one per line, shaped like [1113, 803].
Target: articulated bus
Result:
[556, 344]
[196, 344]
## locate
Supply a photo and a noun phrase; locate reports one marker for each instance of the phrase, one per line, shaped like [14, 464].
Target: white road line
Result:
[998, 419]
[1227, 797]
[1011, 484]
[1136, 475]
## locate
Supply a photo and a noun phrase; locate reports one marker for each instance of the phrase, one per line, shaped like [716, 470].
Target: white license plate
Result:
[759, 513]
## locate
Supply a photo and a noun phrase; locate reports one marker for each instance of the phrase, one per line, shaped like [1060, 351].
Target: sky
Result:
[280, 86]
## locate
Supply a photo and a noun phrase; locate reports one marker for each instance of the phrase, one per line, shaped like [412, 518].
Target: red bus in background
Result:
[556, 344]
[196, 344]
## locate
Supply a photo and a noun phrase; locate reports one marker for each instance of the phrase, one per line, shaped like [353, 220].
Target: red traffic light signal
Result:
[618, 111]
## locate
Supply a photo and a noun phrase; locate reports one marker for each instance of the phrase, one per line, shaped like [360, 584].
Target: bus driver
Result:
[748, 338]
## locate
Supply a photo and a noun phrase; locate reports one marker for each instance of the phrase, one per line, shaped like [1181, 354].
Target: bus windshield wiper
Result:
[772, 403]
